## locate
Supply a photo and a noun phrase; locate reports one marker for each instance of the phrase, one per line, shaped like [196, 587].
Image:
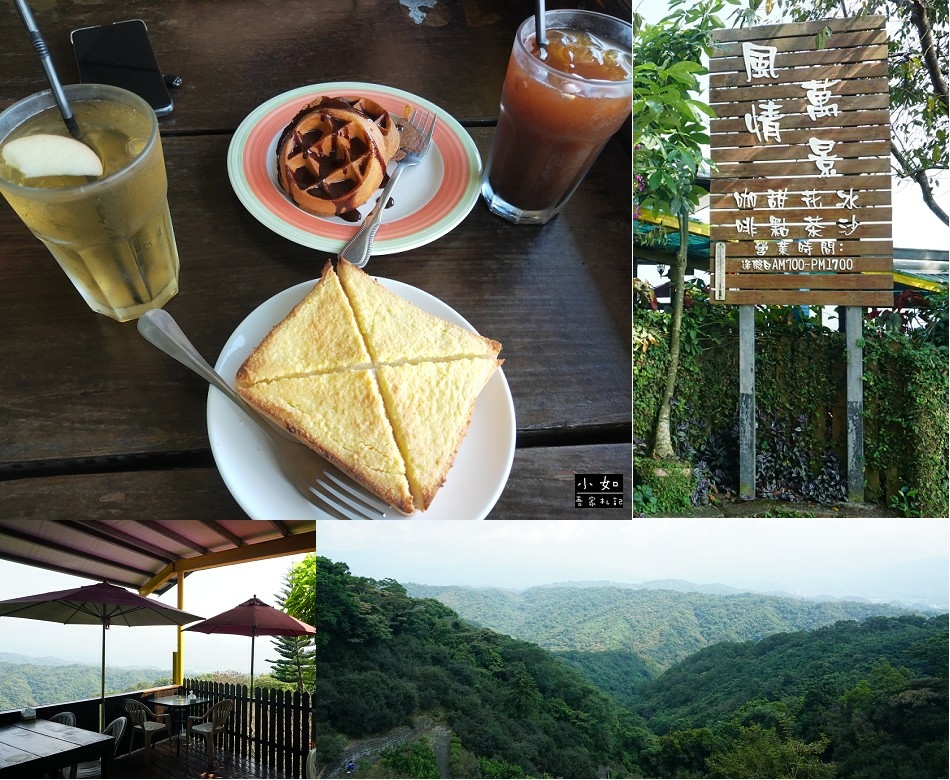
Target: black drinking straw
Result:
[540, 36]
[39, 45]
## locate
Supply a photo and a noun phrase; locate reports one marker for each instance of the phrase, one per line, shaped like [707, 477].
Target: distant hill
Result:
[660, 626]
[849, 695]
[48, 660]
[387, 661]
[708, 685]
[52, 681]
[684, 586]
[848, 700]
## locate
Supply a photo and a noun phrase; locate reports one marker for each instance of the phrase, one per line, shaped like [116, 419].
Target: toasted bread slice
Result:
[373, 383]
[340, 415]
[397, 331]
[319, 335]
[430, 406]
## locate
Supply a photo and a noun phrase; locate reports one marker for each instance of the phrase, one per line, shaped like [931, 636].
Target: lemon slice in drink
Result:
[51, 155]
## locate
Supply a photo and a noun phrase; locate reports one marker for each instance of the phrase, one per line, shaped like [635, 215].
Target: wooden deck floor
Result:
[165, 762]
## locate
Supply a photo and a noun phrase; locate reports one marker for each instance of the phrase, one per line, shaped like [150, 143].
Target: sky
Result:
[914, 225]
[207, 593]
[795, 554]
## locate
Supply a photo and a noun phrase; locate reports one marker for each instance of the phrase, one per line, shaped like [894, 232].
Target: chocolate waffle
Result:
[332, 156]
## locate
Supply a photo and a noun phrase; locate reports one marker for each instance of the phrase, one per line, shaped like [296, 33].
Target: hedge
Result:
[800, 405]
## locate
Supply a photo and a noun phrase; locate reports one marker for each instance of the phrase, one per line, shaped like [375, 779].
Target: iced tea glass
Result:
[557, 112]
[112, 234]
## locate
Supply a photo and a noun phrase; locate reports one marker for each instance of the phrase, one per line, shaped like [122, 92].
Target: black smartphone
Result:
[121, 54]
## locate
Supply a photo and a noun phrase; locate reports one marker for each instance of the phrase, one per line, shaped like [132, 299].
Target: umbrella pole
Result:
[253, 636]
[102, 684]
[253, 720]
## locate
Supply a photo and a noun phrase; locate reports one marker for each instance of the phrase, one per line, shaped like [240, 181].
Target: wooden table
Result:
[96, 422]
[179, 705]
[34, 747]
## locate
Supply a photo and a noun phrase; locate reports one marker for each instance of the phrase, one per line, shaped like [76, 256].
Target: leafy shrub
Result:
[669, 487]
[801, 426]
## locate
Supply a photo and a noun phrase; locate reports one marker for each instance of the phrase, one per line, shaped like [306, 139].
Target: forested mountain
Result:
[29, 685]
[870, 699]
[663, 626]
[847, 700]
[385, 659]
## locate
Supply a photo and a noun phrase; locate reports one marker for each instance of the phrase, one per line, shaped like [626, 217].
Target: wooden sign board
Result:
[800, 206]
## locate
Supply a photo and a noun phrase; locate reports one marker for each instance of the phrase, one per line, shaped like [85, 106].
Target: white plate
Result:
[250, 469]
[430, 199]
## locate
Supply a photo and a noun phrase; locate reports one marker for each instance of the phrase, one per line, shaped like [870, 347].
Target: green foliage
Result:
[498, 768]
[643, 501]
[762, 752]
[232, 677]
[658, 628]
[847, 700]
[851, 700]
[31, 685]
[906, 419]
[799, 395]
[296, 661]
[710, 684]
[669, 121]
[387, 658]
[461, 762]
[414, 759]
[618, 672]
[301, 589]
[670, 483]
[330, 745]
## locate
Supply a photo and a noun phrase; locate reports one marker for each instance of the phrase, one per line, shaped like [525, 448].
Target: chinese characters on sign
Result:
[598, 490]
[800, 199]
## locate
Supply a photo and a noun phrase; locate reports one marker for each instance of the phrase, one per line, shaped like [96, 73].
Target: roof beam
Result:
[294, 544]
[223, 532]
[114, 536]
[51, 545]
[65, 570]
[167, 532]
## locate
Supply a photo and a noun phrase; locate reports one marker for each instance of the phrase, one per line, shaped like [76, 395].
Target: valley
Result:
[610, 680]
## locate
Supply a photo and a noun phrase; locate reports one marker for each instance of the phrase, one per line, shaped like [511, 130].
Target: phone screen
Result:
[121, 54]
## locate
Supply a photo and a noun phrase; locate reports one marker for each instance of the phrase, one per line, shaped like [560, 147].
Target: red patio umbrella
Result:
[253, 618]
[100, 604]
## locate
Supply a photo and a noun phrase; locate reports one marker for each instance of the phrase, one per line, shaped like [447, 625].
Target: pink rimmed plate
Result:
[430, 199]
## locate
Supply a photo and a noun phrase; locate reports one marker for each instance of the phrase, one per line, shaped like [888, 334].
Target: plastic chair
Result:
[66, 718]
[145, 722]
[212, 722]
[312, 764]
[94, 768]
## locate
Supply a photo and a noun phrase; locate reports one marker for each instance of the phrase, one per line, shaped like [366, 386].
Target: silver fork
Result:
[315, 479]
[414, 145]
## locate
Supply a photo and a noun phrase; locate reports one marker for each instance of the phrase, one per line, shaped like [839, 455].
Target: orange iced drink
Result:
[560, 104]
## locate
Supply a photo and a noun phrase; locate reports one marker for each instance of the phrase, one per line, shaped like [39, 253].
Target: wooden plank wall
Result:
[801, 200]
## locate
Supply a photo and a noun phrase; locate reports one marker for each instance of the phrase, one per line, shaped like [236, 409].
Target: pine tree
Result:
[297, 661]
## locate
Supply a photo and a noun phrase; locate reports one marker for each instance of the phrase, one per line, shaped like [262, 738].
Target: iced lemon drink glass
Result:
[559, 106]
[112, 234]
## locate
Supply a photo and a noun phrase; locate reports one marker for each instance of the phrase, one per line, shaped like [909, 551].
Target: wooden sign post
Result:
[801, 196]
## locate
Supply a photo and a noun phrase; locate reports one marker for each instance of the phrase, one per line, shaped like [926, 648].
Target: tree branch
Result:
[921, 21]
[920, 176]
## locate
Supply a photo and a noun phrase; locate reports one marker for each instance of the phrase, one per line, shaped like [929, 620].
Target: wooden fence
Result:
[273, 727]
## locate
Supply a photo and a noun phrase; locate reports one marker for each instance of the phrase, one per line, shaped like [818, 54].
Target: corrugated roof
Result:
[148, 554]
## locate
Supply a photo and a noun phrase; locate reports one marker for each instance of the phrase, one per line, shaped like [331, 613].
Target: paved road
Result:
[440, 736]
